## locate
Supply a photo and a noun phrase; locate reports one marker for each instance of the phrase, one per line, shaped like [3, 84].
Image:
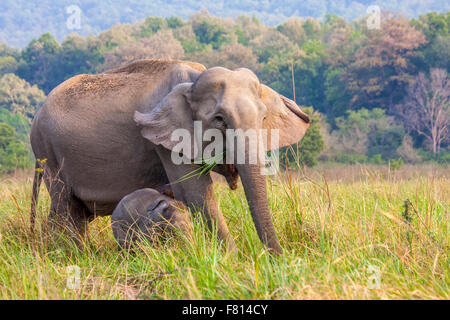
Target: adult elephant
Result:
[100, 137]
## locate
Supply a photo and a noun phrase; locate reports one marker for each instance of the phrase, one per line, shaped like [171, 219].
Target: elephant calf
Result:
[146, 213]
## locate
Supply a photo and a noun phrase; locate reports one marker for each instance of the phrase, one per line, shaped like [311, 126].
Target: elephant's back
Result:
[154, 66]
[89, 107]
[108, 100]
[124, 89]
[103, 92]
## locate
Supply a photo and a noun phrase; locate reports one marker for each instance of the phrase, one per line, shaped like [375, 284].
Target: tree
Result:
[186, 36]
[271, 43]
[118, 35]
[433, 24]
[247, 29]
[39, 63]
[341, 41]
[384, 141]
[79, 55]
[6, 51]
[306, 65]
[231, 56]
[337, 98]
[19, 122]
[19, 97]
[436, 52]
[152, 25]
[407, 152]
[426, 108]
[312, 28]
[13, 152]
[380, 70]
[8, 64]
[174, 22]
[211, 30]
[293, 29]
[161, 45]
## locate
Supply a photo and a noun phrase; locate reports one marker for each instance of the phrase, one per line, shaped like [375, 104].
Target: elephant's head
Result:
[223, 99]
[165, 212]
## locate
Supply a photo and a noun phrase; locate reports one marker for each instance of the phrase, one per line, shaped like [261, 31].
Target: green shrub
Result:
[351, 158]
[396, 164]
[442, 157]
[385, 141]
[376, 159]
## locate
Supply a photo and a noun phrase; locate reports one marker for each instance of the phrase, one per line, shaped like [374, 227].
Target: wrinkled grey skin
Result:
[107, 135]
[146, 213]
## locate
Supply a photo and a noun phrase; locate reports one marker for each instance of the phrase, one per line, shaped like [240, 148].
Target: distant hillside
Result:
[22, 20]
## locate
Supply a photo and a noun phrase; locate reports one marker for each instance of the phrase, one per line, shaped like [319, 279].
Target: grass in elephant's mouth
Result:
[206, 166]
[343, 239]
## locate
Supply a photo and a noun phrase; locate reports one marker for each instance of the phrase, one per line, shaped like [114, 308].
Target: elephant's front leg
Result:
[197, 193]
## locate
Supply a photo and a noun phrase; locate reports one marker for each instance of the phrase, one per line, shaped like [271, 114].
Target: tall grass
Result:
[344, 233]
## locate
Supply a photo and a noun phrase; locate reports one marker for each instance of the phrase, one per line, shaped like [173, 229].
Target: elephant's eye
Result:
[219, 122]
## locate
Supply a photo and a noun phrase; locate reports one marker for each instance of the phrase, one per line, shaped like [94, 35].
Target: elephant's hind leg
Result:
[67, 212]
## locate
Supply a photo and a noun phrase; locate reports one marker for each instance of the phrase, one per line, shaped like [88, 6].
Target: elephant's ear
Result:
[285, 115]
[172, 113]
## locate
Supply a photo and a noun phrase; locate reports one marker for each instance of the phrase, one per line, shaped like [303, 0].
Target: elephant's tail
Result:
[38, 172]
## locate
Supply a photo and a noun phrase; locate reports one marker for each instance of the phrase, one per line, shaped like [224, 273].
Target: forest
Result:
[375, 95]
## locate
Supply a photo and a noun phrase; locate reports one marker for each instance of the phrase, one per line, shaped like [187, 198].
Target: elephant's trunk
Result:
[255, 190]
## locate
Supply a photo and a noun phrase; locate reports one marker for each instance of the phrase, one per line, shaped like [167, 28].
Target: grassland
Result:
[344, 231]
